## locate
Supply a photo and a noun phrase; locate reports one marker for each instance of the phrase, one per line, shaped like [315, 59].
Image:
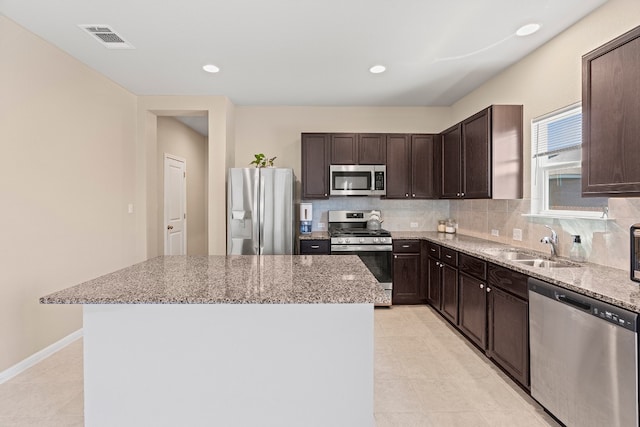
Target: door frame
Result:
[164, 201]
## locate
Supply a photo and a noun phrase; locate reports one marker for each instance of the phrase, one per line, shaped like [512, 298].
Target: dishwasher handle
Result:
[573, 302]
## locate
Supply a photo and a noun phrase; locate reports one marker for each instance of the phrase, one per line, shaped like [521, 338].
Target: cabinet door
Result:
[406, 278]
[449, 292]
[315, 166]
[422, 172]
[434, 283]
[344, 149]
[476, 160]
[372, 149]
[450, 163]
[509, 334]
[473, 309]
[398, 166]
[611, 108]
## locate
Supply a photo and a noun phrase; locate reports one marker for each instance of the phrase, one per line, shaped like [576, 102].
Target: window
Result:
[556, 170]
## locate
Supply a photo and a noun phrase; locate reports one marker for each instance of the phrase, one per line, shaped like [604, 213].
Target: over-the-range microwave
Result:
[358, 180]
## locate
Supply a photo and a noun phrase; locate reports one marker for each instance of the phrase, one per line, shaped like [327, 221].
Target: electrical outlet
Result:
[414, 225]
[517, 234]
[495, 232]
[130, 208]
[321, 226]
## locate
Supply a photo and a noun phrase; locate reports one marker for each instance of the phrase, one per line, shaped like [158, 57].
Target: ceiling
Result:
[302, 52]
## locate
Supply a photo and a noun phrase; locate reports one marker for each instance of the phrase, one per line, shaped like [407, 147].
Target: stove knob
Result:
[362, 240]
[340, 240]
[376, 240]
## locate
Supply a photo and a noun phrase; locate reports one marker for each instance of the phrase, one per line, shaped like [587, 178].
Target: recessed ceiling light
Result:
[528, 29]
[377, 69]
[210, 68]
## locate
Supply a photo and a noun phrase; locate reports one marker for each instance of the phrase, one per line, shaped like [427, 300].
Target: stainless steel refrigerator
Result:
[260, 211]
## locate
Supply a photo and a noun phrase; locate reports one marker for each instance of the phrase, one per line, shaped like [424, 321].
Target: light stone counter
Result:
[236, 279]
[315, 235]
[603, 283]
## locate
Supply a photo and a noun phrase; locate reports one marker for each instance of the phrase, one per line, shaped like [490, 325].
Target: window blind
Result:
[560, 131]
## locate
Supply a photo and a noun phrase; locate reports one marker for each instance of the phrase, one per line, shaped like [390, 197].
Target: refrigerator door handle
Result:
[261, 209]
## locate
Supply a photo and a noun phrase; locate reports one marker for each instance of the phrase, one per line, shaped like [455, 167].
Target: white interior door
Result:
[175, 205]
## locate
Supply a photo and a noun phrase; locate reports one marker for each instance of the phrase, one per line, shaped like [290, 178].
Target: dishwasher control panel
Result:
[617, 317]
[610, 313]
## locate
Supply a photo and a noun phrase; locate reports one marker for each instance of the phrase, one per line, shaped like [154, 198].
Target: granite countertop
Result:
[315, 235]
[235, 279]
[603, 283]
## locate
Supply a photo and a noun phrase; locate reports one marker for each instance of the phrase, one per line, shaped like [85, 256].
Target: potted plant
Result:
[261, 161]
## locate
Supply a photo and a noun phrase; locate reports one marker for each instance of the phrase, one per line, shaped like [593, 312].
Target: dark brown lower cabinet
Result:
[508, 316]
[473, 309]
[434, 283]
[450, 292]
[406, 279]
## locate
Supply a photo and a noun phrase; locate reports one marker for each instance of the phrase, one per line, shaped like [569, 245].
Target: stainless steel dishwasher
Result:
[584, 357]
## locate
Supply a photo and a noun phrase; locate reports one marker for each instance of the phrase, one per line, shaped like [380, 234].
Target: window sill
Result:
[556, 216]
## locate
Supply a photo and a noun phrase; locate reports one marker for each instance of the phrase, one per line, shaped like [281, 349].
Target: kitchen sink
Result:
[530, 258]
[545, 263]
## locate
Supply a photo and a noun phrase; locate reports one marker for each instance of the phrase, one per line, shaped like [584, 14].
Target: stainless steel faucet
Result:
[552, 240]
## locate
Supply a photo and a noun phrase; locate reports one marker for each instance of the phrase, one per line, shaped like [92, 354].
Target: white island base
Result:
[228, 365]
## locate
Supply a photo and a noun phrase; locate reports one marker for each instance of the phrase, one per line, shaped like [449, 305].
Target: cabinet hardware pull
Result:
[169, 227]
[441, 265]
[405, 246]
[448, 256]
[481, 286]
[458, 194]
[406, 195]
[433, 250]
[462, 194]
[414, 195]
[395, 256]
[488, 289]
[315, 246]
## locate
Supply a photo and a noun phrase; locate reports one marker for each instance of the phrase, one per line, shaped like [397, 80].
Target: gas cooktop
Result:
[357, 232]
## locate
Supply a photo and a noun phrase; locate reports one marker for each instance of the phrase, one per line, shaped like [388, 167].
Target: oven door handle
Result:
[361, 248]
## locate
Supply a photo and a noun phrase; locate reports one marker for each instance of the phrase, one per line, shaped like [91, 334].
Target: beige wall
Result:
[548, 79]
[67, 136]
[220, 116]
[275, 131]
[177, 139]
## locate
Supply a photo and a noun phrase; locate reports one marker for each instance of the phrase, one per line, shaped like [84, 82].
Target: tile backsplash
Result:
[606, 242]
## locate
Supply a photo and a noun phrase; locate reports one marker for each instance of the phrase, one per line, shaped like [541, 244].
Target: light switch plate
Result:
[321, 226]
[517, 234]
[130, 208]
[495, 232]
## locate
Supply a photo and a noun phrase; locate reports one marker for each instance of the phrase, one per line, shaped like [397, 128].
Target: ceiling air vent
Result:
[106, 36]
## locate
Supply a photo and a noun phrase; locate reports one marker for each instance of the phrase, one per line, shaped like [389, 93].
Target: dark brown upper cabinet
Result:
[410, 166]
[611, 118]
[481, 157]
[372, 149]
[357, 149]
[344, 149]
[315, 165]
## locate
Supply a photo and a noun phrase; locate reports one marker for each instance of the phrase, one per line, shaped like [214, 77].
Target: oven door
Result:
[377, 258]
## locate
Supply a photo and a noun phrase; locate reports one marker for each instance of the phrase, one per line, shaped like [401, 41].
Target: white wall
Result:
[179, 140]
[67, 135]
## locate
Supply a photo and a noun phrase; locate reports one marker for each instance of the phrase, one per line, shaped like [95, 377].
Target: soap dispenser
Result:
[577, 252]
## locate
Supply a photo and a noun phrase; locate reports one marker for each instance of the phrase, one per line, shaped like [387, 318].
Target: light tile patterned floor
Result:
[425, 375]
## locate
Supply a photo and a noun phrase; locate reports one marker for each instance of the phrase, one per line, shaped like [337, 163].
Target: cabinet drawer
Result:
[412, 246]
[449, 256]
[472, 266]
[320, 247]
[433, 250]
[508, 280]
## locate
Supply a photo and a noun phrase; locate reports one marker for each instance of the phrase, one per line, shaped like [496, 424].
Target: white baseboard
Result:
[30, 361]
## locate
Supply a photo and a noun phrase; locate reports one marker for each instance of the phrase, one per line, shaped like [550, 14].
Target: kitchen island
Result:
[230, 341]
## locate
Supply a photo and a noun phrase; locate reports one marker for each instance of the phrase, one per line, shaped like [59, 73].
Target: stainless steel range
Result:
[350, 236]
